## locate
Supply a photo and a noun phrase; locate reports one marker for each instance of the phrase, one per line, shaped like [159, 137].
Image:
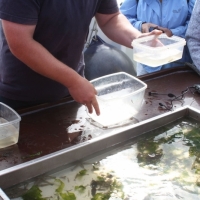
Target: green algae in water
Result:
[163, 164]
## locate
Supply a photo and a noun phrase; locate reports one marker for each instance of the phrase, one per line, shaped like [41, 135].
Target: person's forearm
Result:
[118, 29]
[34, 55]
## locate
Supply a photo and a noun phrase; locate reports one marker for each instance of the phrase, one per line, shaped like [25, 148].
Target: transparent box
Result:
[119, 96]
[155, 52]
[9, 126]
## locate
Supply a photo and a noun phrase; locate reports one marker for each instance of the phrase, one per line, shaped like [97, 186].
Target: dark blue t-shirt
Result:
[61, 27]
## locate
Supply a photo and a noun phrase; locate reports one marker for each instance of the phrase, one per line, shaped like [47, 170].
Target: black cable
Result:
[177, 98]
[155, 93]
[174, 97]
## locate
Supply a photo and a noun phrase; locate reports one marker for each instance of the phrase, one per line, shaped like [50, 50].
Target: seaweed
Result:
[80, 188]
[60, 187]
[108, 184]
[101, 196]
[68, 196]
[34, 193]
[64, 196]
[81, 174]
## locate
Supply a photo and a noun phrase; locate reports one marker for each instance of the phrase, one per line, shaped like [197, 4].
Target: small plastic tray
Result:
[148, 51]
[9, 126]
[120, 97]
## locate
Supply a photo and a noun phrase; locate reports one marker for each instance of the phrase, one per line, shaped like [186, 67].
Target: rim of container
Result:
[180, 42]
[118, 73]
[13, 121]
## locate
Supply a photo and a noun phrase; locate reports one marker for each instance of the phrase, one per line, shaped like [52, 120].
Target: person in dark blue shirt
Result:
[41, 45]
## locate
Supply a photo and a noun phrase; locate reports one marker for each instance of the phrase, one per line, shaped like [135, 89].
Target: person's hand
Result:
[155, 32]
[155, 42]
[146, 27]
[84, 92]
[166, 31]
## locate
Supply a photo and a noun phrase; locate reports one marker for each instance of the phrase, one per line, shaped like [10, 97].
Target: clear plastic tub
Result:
[120, 97]
[153, 54]
[9, 126]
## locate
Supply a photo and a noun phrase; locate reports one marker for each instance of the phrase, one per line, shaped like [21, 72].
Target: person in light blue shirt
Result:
[170, 16]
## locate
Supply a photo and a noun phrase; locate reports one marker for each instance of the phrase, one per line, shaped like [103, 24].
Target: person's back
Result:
[171, 17]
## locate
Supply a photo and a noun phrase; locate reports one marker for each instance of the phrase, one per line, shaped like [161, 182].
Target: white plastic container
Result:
[149, 52]
[9, 126]
[120, 97]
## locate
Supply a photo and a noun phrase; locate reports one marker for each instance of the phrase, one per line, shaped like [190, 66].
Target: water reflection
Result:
[160, 165]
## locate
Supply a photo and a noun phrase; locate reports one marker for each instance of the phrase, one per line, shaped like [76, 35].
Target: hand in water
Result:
[155, 42]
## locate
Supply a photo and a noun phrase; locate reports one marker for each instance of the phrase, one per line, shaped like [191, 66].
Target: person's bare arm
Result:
[33, 54]
[119, 29]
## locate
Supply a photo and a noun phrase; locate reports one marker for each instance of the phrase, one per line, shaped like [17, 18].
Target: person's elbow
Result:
[18, 36]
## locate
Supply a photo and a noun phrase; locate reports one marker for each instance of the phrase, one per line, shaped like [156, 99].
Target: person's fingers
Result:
[96, 106]
[145, 28]
[152, 25]
[95, 91]
[156, 32]
[169, 33]
[93, 104]
[89, 107]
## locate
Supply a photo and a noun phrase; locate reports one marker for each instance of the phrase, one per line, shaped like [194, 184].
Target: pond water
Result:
[163, 164]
